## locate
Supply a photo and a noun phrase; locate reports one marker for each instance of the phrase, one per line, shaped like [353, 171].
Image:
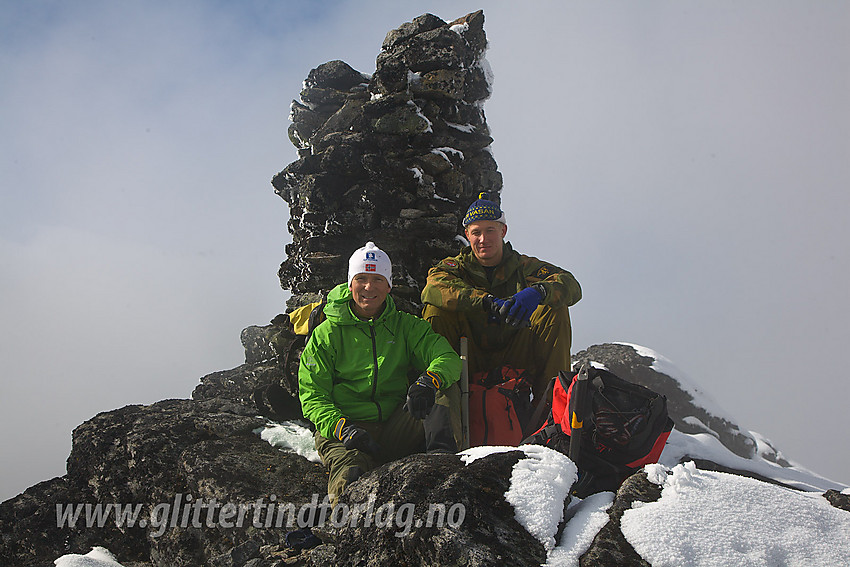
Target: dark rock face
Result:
[479, 527]
[395, 158]
[180, 452]
[271, 359]
[28, 533]
[838, 499]
[175, 453]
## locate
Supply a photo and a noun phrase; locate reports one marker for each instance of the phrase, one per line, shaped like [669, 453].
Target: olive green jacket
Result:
[357, 369]
[459, 283]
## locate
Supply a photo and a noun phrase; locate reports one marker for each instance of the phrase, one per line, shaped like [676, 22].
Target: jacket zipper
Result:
[375, 371]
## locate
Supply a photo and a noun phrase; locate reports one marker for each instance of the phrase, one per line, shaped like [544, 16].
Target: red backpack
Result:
[622, 427]
[499, 407]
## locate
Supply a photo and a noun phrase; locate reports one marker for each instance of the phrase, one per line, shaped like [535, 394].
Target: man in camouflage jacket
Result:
[512, 308]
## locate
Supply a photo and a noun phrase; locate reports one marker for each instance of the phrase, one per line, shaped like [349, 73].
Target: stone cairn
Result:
[394, 158]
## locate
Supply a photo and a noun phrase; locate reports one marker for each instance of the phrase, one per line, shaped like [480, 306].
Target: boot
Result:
[439, 437]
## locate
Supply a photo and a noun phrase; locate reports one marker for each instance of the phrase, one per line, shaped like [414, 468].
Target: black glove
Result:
[354, 437]
[495, 308]
[421, 394]
[491, 306]
[518, 309]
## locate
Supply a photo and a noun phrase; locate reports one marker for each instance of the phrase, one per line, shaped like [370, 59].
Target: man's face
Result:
[486, 239]
[369, 291]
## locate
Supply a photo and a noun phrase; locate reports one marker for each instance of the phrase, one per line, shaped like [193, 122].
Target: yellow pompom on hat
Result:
[484, 209]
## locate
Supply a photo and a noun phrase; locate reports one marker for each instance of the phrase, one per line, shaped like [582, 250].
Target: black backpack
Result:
[617, 427]
[273, 400]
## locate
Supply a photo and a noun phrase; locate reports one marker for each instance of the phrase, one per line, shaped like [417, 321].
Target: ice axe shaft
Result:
[464, 393]
[578, 412]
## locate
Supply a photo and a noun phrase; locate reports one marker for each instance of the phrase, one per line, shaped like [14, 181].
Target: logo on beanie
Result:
[483, 210]
[371, 260]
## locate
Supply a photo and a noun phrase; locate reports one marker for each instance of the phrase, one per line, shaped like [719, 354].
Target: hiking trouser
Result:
[398, 436]
[543, 349]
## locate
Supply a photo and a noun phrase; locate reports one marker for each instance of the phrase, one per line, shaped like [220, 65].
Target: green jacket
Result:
[459, 283]
[357, 370]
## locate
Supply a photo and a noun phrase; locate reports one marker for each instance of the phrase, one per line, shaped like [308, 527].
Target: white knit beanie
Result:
[370, 260]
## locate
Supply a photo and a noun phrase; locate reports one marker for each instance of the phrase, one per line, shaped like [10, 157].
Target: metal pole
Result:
[464, 393]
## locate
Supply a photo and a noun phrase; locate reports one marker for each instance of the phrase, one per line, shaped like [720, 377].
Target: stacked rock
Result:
[394, 158]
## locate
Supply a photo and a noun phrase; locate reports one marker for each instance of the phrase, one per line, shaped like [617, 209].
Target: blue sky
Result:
[688, 162]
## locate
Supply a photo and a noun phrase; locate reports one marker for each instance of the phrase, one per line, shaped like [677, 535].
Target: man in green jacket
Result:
[512, 308]
[353, 377]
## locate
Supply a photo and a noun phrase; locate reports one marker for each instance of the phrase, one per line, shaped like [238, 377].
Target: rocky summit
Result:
[395, 158]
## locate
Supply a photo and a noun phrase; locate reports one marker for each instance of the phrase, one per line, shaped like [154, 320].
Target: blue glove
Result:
[518, 309]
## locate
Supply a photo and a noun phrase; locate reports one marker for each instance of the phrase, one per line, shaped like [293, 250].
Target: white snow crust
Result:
[709, 519]
[290, 436]
[97, 557]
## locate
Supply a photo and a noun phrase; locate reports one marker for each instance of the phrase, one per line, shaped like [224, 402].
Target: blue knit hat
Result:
[484, 209]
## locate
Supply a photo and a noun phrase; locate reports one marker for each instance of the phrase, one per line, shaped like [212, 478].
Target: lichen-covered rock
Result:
[163, 458]
[838, 499]
[478, 526]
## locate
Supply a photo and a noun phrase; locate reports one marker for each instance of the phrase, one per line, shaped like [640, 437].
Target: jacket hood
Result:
[338, 307]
